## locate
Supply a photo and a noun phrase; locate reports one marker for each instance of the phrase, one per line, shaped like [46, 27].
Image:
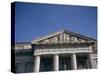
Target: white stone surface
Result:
[37, 64]
[51, 50]
[56, 62]
[74, 61]
[91, 61]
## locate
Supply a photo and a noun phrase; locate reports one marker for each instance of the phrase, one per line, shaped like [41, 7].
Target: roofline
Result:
[81, 35]
[22, 42]
[46, 36]
[61, 31]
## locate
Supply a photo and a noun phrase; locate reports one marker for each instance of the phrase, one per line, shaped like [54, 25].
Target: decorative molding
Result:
[39, 51]
[20, 47]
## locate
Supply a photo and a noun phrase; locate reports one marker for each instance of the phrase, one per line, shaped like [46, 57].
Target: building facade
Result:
[62, 50]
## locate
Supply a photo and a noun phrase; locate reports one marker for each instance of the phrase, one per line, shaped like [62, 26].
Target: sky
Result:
[34, 20]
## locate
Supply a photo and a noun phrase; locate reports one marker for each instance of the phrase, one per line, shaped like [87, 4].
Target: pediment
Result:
[63, 36]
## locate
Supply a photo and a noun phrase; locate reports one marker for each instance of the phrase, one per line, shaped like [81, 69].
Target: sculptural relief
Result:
[62, 38]
[73, 39]
[54, 39]
[66, 37]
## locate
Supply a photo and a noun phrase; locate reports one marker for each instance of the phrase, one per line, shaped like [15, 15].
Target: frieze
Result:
[63, 50]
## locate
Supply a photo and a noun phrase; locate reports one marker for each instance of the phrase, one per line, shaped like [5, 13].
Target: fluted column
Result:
[91, 61]
[56, 62]
[74, 61]
[37, 64]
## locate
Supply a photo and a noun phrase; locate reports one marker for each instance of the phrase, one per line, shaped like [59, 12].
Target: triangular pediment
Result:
[63, 36]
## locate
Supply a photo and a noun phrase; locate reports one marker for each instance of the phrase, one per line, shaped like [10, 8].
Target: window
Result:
[17, 67]
[29, 67]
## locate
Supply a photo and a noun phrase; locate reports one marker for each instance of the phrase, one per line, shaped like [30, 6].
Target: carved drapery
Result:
[66, 37]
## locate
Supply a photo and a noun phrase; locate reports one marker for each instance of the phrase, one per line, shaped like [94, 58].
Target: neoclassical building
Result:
[58, 51]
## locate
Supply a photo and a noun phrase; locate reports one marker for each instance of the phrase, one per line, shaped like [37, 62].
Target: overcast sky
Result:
[34, 19]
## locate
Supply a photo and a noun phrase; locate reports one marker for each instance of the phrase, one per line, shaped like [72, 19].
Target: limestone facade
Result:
[62, 50]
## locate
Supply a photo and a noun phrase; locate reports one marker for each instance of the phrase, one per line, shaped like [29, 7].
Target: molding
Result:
[51, 50]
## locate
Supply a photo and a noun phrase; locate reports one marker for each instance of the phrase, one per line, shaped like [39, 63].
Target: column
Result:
[91, 61]
[56, 62]
[74, 62]
[37, 64]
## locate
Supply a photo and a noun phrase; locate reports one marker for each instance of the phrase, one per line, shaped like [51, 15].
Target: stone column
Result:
[74, 62]
[91, 61]
[37, 64]
[56, 62]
